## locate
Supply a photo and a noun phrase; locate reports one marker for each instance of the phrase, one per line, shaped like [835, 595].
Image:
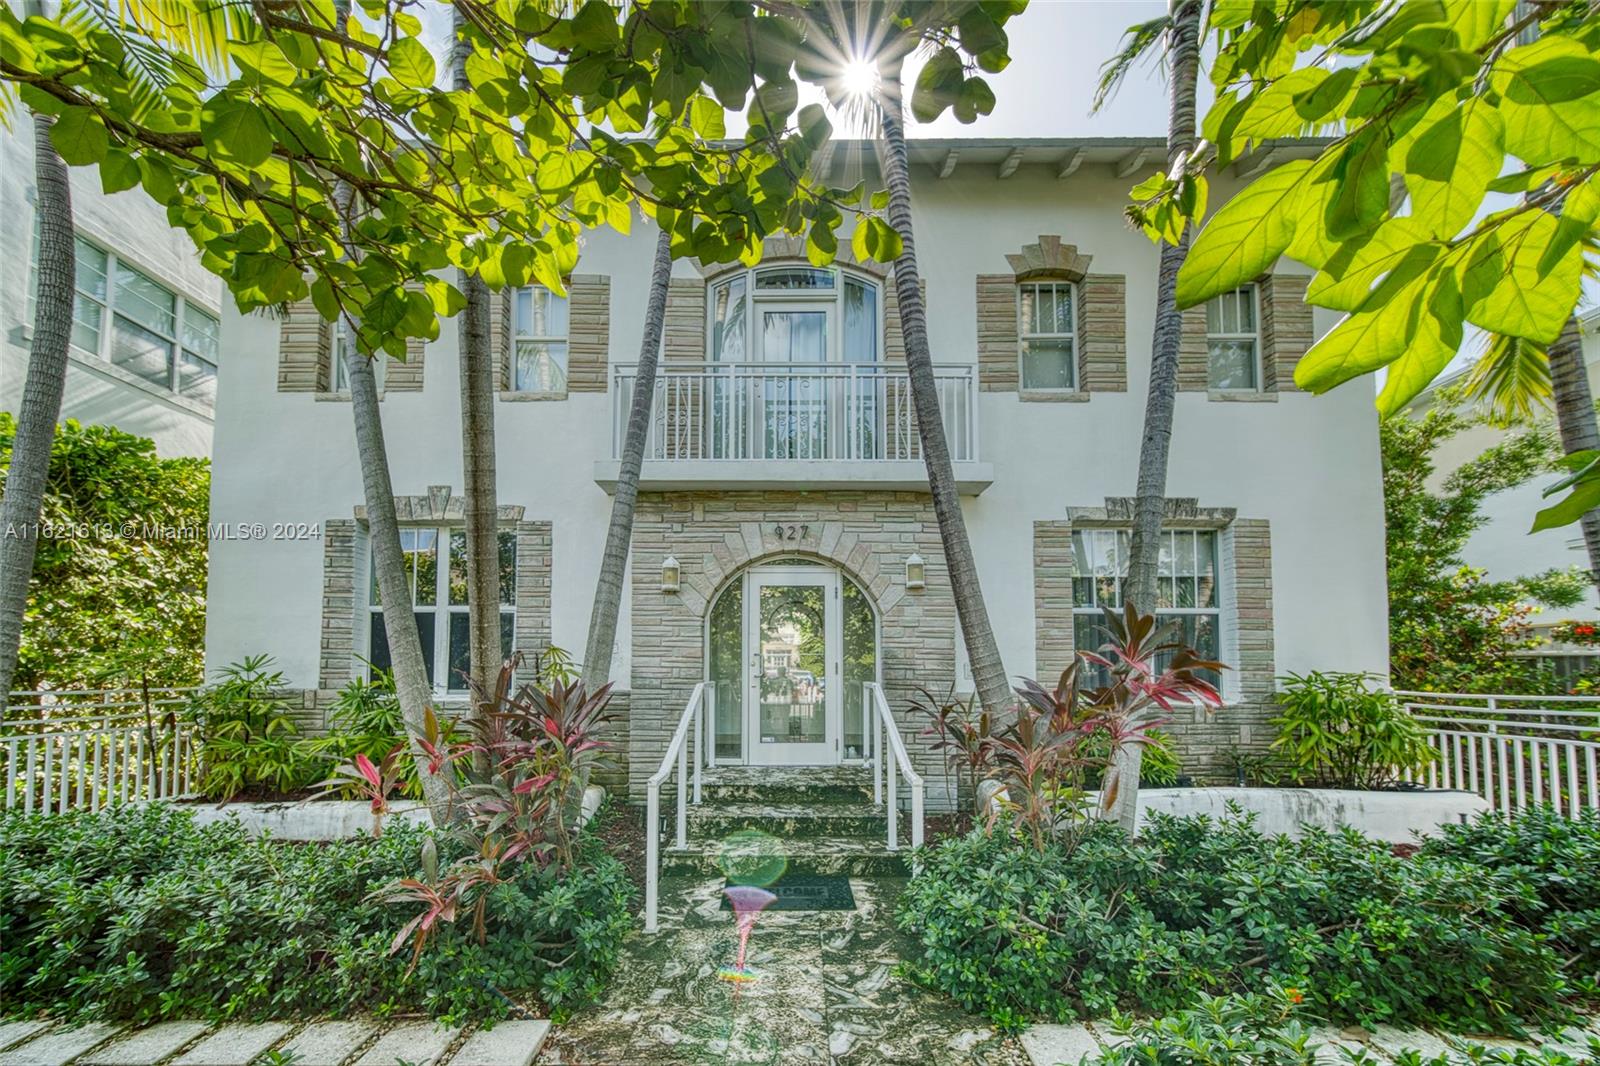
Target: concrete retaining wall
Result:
[1396, 817]
[332, 819]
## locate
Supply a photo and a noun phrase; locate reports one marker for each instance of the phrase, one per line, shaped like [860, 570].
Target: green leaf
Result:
[975, 98]
[1529, 300]
[1348, 277]
[1475, 22]
[1449, 167]
[234, 130]
[1435, 339]
[595, 26]
[412, 64]
[876, 239]
[1361, 186]
[79, 136]
[938, 85]
[1585, 495]
[118, 171]
[1550, 99]
[1275, 111]
[1245, 237]
[706, 118]
[1363, 342]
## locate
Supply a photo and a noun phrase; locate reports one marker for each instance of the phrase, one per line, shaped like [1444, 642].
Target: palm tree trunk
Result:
[614, 563]
[1121, 794]
[41, 397]
[1574, 403]
[478, 460]
[988, 672]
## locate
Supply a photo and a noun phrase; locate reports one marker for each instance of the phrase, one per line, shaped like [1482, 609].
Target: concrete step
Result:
[787, 784]
[712, 820]
[756, 857]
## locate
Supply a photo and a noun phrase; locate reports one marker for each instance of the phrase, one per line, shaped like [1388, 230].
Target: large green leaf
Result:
[1435, 338]
[1346, 280]
[234, 130]
[412, 64]
[1244, 238]
[1363, 342]
[1361, 186]
[1450, 165]
[1550, 98]
[1584, 481]
[1528, 298]
[79, 136]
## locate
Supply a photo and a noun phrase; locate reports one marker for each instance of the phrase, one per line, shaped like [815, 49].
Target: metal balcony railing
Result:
[793, 411]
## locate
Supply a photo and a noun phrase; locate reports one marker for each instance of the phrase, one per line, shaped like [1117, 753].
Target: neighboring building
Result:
[1503, 546]
[145, 335]
[784, 480]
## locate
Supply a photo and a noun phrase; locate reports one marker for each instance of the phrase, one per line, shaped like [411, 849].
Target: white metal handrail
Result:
[88, 749]
[794, 411]
[677, 756]
[1514, 751]
[884, 774]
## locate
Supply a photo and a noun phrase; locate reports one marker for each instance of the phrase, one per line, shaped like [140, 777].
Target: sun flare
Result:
[860, 77]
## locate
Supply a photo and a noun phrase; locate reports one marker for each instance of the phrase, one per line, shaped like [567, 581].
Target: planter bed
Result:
[1396, 817]
[326, 819]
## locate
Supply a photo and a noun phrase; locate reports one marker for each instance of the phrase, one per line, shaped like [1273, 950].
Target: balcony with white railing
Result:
[773, 425]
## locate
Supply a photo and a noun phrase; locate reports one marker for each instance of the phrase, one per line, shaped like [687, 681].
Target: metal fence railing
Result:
[1514, 751]
[61, 750]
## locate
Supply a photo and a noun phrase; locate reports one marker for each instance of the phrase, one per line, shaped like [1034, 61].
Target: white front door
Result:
[793, 651]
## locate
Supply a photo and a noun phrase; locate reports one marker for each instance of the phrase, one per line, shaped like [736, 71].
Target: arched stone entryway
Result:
[715, 536]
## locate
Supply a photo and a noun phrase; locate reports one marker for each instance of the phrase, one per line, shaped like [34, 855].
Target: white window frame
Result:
[832, 299]
[441, 608]
[1253, 336]
[338, 376]
[518, 334]
[1071, 337]
[1091, 614]
[108, 309]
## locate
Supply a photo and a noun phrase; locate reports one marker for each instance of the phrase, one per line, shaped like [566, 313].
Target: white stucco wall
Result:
[130, 224]
[1308, 465]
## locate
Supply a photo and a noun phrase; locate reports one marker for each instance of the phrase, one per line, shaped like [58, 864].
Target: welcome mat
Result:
[808, 892]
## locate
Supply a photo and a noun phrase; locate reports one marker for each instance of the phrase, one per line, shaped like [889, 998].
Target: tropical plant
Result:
[373, 782]
[1217, 1031]
[247, 739]
[118, 591]
[960, 731]
[1179, 33]
[1574, 632]
[1195, 905]
[1339, 730]
[1450, 628]
[1439, 95]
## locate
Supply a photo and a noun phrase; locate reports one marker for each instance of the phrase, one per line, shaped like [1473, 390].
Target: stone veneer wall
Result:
[1286, 331]
[714, 535]
[1203, 739]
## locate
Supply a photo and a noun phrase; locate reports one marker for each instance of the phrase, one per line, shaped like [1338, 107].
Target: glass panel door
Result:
[794, 400]
[792, 649]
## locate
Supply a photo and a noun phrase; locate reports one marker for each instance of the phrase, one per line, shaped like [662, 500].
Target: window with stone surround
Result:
[539, 340]
[1233, 341]
[1048, 334]
[1187, 589]
[439, 602]
[339, 373]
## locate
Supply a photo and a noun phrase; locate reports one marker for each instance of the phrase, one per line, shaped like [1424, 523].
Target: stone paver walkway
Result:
[826, 993]
[367, 1042]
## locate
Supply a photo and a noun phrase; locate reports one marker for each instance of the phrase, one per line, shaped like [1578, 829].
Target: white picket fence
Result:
[68, 749]
[1514, 751]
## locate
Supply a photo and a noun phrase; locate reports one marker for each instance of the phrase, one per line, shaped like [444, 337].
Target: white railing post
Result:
[683, 796]
[652, 854]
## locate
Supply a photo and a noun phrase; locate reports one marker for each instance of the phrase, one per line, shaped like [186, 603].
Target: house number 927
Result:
[783, 532]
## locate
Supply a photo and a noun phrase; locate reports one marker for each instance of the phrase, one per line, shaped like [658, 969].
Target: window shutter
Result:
[997, 333]
[894, 335]
[1286, 330]
[304, 347]
[683, 338]
[1103, 333]
[1194, 359]
[589, 332]
[500, 337]
[406, 376]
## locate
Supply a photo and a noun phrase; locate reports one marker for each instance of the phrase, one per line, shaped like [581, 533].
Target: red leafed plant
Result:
[1052, 745]
[373, 782]
[959, 730]
[518, 796]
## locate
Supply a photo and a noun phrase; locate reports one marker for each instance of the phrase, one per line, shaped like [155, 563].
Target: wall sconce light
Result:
[669, 574]
[916, 572]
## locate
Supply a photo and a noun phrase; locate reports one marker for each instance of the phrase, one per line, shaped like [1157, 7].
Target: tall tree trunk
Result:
[988, 672]
[614, 563]
[41, 397]
[1574, 403]
[1121, 793]
[485, 653]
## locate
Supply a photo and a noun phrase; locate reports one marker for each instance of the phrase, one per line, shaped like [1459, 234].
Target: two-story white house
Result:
[146, 319]
[785, 546]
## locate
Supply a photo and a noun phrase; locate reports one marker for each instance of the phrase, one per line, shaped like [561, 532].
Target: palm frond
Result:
[200, 30]
[1512, 378]
[1138, 42]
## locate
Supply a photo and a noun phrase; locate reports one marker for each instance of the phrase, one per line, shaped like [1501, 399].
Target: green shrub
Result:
[248, 740]
[1342, 731]
[1556, 858]
[137, 914]
[1198, 906]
